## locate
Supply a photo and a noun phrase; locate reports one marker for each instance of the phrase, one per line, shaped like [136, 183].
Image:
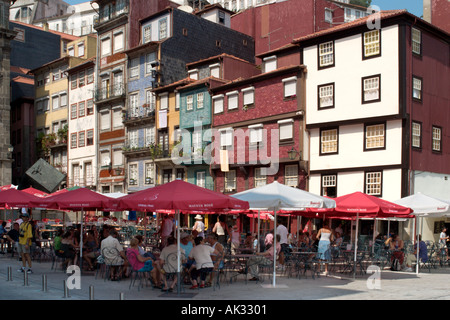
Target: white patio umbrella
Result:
[424, 206]
[276, 196]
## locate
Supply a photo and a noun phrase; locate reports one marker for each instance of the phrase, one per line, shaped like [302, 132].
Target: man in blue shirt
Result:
[423, 255]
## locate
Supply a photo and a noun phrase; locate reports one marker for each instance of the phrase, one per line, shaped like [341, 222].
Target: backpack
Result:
[396, 266]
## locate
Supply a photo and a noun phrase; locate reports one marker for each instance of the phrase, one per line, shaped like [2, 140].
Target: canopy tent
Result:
[276, 196]
[78, 199]
[183, 197]
[358, 203]
[424, 206]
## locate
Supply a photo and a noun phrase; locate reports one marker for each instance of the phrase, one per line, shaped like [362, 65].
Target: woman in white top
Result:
[325, 237]
[199, 226]
[221, 229]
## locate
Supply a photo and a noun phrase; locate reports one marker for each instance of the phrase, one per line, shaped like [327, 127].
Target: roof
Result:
[88, 62]
[24, 80]
[61, 34]
[19, 70]
[261, 76]
[175, 84]
[205, 81]
[212, 7]
[142, 47]
[216, 58]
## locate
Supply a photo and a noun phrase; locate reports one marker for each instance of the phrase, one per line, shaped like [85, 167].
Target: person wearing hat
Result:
[199, 226]
[25, 238]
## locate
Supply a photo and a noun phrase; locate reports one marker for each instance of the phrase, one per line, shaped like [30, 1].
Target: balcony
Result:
[139, 115]
[82, 182]
[109, 14]
[109, 93]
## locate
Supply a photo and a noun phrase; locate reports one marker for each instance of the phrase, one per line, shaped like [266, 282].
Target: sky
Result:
[413, 6]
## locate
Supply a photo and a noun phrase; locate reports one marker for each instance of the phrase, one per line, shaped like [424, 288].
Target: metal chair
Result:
[112, 260]
[131, 256]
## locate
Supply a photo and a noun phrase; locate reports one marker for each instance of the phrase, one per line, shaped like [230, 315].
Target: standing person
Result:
[235, 239]
[283, 232]
[323, 251]
[166, 230]
[2, 234]
[221, 229]
[25, 238]
[443, 238]
[199, 226]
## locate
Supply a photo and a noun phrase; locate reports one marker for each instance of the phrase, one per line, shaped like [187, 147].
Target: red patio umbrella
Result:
[16, 198]
[35, 192]
[360, 205]
[183, 197]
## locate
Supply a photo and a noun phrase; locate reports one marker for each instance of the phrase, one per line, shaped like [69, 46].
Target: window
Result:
[328, 15]
[218, 103]
[190, 102]
[416, 36]
[149, 135]
[81, 49]
[150, 99]
[200, 179]
[214, 70]
[73, 111]
[270, 63]
[105, 120]
[437, 139]
[164, 100]
[55, 74]
[147, 34]
[133, 136]
[134, 67]
[149, 173]
[162, 29]
[329, 185]
[371, 89]
[326, 96]
[81, 139]
[197, 144]
[248, 96]
[118, 41]
[63, 100]
[149, 58]
[133, 173]
[326, 54]
[260, 179]
[373, 183]
[233, 100]
[81, 79]
[55, 102]
[105, 160]
[286, 129]
[417, 88]
[200, 98]
[230, 181]
[291, 175]
[117, 156]
[255, 135]
[133, 105]
[226, 138]
[106, 46]
[74, 81]
[374, 137]
[71, 51]
[81, 109]
[372, 44]
[290, 87]
[90, 137]
[90, 75]
[89, 107]
[117, 117]
[45, 105]
[73, 140]
[416, 135]
[329, 141]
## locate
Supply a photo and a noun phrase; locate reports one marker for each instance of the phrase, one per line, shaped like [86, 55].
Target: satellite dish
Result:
[187, 9]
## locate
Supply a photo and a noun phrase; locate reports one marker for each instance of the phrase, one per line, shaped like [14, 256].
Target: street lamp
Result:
[293, 153]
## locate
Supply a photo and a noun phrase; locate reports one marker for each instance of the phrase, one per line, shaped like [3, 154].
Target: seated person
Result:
[57, 243]
[338, 240]
[412, 258]
[217, 259]
[248, 244]
[67, 249]
[2, 236]
[12, 237]
[168, 261]
[91, 250]
[187, 244]
[114, 255]
[201, 253]
[396, 246]
[262, 258]
[140, 263]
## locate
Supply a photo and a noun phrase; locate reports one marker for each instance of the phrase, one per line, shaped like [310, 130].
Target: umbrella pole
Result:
[274, 248]
[81, 240]
[373, 236]
[356, 245]
[178, 253]
[259, 225]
